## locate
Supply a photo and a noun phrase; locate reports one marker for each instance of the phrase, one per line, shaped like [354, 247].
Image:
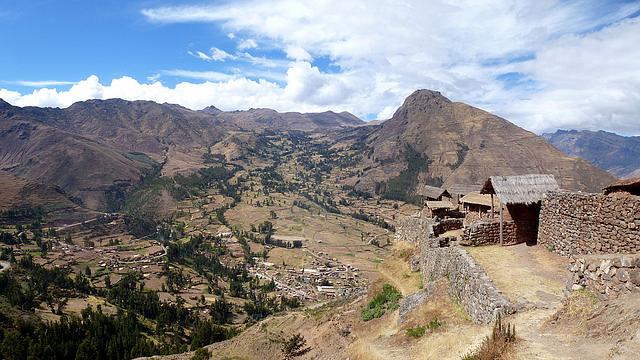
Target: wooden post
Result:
[492, 215]
[501, 220]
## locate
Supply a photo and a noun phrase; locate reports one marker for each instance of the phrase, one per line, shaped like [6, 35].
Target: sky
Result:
[544, 64]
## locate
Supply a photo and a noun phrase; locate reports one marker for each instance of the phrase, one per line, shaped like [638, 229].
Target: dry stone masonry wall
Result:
[487, 232]
[413, 228]
[468, 282]
[606, 275]
[575, 223]
[445, 225]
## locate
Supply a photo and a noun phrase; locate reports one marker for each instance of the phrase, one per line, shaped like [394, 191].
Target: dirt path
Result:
[534, 278]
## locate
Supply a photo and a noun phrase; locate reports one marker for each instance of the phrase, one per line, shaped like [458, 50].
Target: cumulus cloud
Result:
[544, 65]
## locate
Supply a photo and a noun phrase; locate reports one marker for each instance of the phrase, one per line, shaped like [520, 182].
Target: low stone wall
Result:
[607, 275]
[410, 302]
[468, 282]
[576, 223]
[445, 225]
[413, 228]
[487, 232]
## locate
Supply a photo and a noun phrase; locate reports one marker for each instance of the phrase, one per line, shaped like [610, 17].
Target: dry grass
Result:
[497, 346]
[540, 273]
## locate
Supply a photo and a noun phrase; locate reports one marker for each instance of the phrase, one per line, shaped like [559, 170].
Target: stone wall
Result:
[608, 275]
[413, 228]
[445, 225]
[468, 282]
[576, 223]
[487, 232]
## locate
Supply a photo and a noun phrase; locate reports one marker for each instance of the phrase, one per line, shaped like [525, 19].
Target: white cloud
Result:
[40, 83]
[247, 44]
[543, 64]
[215, 54]
[297, 53]
[383, 50]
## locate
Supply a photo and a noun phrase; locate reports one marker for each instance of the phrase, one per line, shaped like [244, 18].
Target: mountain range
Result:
[619, 155]
[90, 149]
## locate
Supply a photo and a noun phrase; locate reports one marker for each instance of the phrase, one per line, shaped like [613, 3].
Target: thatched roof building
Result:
[475, 198]
[520, 189]
[433, 193]
[631, 186]
[463, 189]
[437, 205]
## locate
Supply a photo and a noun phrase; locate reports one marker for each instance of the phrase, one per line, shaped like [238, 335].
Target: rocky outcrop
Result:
[575, 223]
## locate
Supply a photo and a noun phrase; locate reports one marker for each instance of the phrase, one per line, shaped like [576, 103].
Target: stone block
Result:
[622, 275]
[634, 276]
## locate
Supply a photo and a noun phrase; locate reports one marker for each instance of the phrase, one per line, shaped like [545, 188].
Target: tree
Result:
[294, 347]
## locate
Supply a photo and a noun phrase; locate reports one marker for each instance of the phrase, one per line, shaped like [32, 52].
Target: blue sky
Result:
[544, 65]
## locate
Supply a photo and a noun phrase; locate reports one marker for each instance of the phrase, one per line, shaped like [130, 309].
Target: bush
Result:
[497, 345]
[386, 300]
[201, 354]
[434, 324]
[416, 332]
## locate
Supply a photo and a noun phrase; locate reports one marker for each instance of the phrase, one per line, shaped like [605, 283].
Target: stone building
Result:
[520, 197]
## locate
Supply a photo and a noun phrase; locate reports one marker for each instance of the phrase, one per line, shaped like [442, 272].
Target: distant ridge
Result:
[619, 155]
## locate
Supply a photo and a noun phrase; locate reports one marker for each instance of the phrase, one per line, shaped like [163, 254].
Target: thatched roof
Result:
[432, 192]
[520, 189]
[444, 204]
[627, 185]
[463, 189]
[476, 198]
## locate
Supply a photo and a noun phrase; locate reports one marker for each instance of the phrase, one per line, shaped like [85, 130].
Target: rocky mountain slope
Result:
[619, 155]
[94, 146]
[261, 119]
[433, 140]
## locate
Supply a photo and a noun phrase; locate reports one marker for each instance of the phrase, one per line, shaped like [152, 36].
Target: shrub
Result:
[201, 354]
[434, 324]
[497, 345]
[416, 332]
[386, 300]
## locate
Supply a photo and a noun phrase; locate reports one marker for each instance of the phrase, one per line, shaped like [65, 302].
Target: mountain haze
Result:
[619, 155]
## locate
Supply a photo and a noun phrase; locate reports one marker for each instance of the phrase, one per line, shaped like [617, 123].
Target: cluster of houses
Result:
[512, 203]
[323, 277]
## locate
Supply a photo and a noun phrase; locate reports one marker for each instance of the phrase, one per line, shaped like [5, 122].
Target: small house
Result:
[520, 197]
[480, 204]
[439, 209]
[432, 193]
[457, 191]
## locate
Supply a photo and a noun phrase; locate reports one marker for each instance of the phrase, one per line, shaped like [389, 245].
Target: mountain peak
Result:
[212, 110]
[4, 104]
[421, 95]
